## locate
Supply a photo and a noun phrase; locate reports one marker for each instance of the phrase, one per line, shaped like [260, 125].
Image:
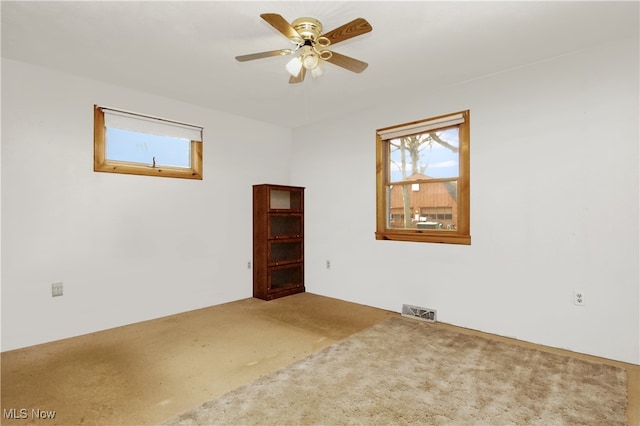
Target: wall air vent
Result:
[424, 314]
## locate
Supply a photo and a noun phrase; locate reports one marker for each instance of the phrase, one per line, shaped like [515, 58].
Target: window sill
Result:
[173, 172]
[442, 237]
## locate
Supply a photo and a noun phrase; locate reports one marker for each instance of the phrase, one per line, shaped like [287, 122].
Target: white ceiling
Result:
[186, 50]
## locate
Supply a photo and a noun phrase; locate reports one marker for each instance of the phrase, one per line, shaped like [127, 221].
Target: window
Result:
[422, 180]
[136, 144]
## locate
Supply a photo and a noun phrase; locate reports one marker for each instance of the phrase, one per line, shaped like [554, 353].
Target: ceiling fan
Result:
[312, 45]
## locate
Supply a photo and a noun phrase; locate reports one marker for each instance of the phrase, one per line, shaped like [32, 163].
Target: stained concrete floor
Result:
[145, 373]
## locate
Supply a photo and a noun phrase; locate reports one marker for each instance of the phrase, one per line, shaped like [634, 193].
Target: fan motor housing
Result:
[308, 28]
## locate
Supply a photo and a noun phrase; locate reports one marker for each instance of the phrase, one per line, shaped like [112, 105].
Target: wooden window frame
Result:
[460, 235]
[101, 164]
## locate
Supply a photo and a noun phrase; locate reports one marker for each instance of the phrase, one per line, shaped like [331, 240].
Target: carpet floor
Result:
[405, 371]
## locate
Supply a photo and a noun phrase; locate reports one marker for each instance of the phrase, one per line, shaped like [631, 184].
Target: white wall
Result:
[554, 207]
[554, 203]
[127, 248]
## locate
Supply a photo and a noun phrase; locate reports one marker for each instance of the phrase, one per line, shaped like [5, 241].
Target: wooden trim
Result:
[98, 138]
[381, 172]
[142, 170]
[196, 159]
[427, 181]
[446, 237]
[465, 178]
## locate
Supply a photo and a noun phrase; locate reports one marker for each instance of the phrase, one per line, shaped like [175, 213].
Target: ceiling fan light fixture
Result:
[294, 66]
[316, 72]
[310, 59]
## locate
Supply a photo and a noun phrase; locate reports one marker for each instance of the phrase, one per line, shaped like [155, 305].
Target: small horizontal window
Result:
[133, 143]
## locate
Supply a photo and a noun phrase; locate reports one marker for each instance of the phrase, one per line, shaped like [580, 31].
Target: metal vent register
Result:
[424, 314]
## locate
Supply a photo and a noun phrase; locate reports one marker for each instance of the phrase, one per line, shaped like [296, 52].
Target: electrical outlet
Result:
[578, 297]
[328, 264]
[56, 289]
[249, 265]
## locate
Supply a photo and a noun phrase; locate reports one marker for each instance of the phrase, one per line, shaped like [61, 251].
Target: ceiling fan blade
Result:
[281, 24]
[251, 57]
[349, 30]
[347, 62]
[299, 78]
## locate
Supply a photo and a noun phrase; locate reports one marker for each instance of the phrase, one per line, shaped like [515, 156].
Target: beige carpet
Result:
[405, 371]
